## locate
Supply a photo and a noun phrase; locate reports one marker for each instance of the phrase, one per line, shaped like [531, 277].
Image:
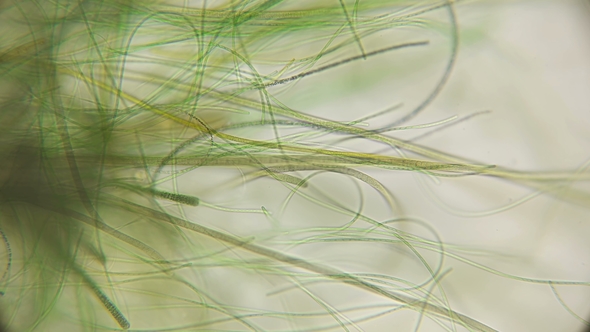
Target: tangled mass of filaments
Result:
[154, 177]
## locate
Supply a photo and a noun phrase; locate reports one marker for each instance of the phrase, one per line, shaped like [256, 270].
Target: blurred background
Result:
[523, 70]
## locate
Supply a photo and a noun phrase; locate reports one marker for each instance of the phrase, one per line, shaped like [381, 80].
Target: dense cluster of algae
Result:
[116, 114]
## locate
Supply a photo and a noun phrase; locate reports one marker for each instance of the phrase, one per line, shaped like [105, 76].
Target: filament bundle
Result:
[154, 177]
